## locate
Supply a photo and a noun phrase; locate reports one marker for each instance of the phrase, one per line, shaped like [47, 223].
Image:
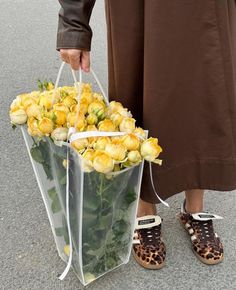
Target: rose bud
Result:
[150, 149]
[18, 117]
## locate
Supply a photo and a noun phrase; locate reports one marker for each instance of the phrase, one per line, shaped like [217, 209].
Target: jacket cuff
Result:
[74, 39]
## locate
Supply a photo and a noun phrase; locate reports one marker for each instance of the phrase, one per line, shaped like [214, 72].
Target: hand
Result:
[76, 58]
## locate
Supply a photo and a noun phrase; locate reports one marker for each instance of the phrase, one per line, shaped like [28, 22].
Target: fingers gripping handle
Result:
[78, 86]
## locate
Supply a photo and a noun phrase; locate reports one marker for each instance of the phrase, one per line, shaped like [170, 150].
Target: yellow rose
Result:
[87, 96]
[127, 125]
[71, 119]
[35, 94]
[48, 114]
[150, 149]
[116, 151]
[65, 163]
[106, 125]
[80, 121]
[88, 154]
[18, 117]
[116, 118]
[60, 117]
[86, 88]
[68, 91]
[102, 162]
[92, 119]
[89, 277]
[98, 97]
[45, 101]
[69, 101]
[28, 101]
[46, 125]
[101, 143]
[67, 250]
[61, 107]
[115, 106]
[83, 107]
[116, 139]
[97, 107]
[16, 105]
[34, 110]
[134, 156]
[80, 144]
[87, 164]
[21, 97]
[59, 134]
[124, 112]
[91, 128]
[140, 131]
[131, 141]
[33, 128]
[54, 95]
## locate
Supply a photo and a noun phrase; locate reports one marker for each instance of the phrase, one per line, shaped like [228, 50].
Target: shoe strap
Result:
[147, 221]
[205, 216]
[201, 216]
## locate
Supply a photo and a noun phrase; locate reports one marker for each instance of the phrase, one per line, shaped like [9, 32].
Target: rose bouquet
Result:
[87, 155]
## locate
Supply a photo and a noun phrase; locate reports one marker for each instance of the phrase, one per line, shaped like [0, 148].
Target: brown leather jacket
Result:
[73, 25]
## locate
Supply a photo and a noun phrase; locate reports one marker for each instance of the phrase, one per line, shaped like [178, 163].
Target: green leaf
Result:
[36, 154]
[119, 227]
[98, 252]
[40, 85]
[110, 262]
[104, 222]
[52, 193]
[89, 220]
[62, 231]
[63, 94]
[63, 180]
[59, 231]
[45, 84]
[56, 206]
[13, 126]
[91, 203]
[130, 197]
[48, 171]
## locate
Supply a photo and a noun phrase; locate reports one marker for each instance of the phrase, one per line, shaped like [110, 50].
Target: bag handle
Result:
[79, 86]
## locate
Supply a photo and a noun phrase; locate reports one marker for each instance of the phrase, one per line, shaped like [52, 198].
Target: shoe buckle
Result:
[206, 216]
[147, 221]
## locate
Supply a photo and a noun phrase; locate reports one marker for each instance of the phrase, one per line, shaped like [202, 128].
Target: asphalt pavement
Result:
[28, 256]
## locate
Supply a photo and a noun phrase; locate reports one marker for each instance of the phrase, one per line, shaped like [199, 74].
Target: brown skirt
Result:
[173, 64]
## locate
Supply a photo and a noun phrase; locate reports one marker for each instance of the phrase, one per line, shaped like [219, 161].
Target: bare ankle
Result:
[146, 208]
[193, 208]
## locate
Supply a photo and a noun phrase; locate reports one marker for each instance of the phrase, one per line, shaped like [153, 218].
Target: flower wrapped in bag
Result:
[88, 157]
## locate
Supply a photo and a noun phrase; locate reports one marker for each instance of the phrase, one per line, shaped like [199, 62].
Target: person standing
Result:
[172, 63]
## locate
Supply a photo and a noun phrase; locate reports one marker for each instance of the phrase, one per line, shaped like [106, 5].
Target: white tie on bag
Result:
[74, 135]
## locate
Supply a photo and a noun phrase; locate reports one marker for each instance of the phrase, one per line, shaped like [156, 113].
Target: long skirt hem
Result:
[218, 175]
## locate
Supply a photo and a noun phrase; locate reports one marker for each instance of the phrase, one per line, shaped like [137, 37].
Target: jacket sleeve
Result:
[73, 24]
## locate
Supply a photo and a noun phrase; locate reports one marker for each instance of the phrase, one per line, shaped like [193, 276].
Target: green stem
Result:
[34, 142]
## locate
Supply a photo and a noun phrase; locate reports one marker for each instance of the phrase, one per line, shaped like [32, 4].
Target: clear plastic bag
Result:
[102, 207]
[92, 214]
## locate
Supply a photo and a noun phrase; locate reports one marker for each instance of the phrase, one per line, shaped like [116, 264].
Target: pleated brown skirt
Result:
[173, 64]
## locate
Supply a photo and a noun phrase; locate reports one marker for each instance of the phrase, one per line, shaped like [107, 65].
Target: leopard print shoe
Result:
[206, 244]
[148, 246]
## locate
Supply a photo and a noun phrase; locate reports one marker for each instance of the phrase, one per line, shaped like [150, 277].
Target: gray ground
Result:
[28, 257]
